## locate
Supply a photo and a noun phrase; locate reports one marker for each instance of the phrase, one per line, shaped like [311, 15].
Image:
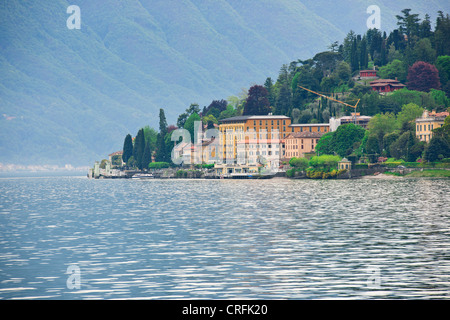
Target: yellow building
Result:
[251, 127]
[310, 127]
[427, 123]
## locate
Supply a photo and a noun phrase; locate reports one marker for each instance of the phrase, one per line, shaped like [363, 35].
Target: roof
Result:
[368, 71]
[433, 116]
[384, 81]
[309, 125]
[255, 117]
[117, 153]
[357, 118]
[305, 134]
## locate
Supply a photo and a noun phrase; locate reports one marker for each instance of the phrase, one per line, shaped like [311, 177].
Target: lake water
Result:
[224, 239]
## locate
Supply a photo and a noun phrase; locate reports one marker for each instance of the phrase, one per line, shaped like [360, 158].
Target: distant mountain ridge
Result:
[71, 96]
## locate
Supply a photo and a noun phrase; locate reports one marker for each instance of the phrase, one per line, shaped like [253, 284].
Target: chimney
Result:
[396, 79]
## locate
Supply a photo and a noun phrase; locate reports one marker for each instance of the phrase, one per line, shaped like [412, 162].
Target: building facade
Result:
[298, 143]
[310, 127]
[367, 74]
[386, 85]
[427, 123]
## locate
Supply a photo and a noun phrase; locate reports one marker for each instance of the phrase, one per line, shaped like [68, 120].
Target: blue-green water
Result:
[224, 239]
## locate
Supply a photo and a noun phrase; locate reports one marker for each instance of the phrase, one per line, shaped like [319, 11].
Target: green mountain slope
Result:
[71, 96]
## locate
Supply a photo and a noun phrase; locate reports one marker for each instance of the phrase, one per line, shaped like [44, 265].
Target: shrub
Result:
[361, 166]
[158, 165]
[181, 174]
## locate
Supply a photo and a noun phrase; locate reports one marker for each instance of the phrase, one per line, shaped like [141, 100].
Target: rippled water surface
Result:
[224, 239]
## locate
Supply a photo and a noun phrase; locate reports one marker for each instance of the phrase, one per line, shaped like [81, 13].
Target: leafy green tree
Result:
[228, 113]
[210, 121]
[131, 162]
[444, 131]
[443, 66]
[423, 51]
[127, 148]
[299, 163]
[380, 125]
[193, 108]
[345, 138]
[324, 162]
[437, 147]
[343, 71]
[325, 146]
[410, 112]
[190, 125]
[388, 140]
[440, 98]
[372, 146]
[395, 69]
[150, 135]
[442, 34]
[408, 23]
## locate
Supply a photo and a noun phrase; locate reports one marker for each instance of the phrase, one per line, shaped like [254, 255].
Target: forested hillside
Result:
[69, 96]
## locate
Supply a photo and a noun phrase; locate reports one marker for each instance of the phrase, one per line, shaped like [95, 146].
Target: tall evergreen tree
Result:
[147, 156]
[138, 149]
[161, 150]
[127, 148]
[364, 59]
[354, 61]
[269, 87]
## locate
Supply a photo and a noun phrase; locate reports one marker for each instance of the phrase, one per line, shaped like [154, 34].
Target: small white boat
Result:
[143, 176]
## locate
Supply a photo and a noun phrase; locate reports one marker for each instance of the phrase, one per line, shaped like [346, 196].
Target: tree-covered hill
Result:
[70, 96]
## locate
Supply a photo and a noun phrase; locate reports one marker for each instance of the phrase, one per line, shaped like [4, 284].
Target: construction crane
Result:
[331, 98]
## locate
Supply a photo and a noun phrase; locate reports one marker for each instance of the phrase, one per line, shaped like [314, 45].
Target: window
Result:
[272, 122]
[310, 129]
[284, 122]
[266, 122]
[318, 129]
[254, 122]
[301, 129]
[260, 122]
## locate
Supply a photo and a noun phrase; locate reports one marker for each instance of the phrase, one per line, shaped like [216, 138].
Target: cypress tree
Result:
[127, 148]
[354, 61]
[161, 150]
[147, 156]
[139, 146]
[364, 59]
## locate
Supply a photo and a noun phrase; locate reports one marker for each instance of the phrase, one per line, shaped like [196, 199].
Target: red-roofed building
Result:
[386, 85]
[368, 74]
